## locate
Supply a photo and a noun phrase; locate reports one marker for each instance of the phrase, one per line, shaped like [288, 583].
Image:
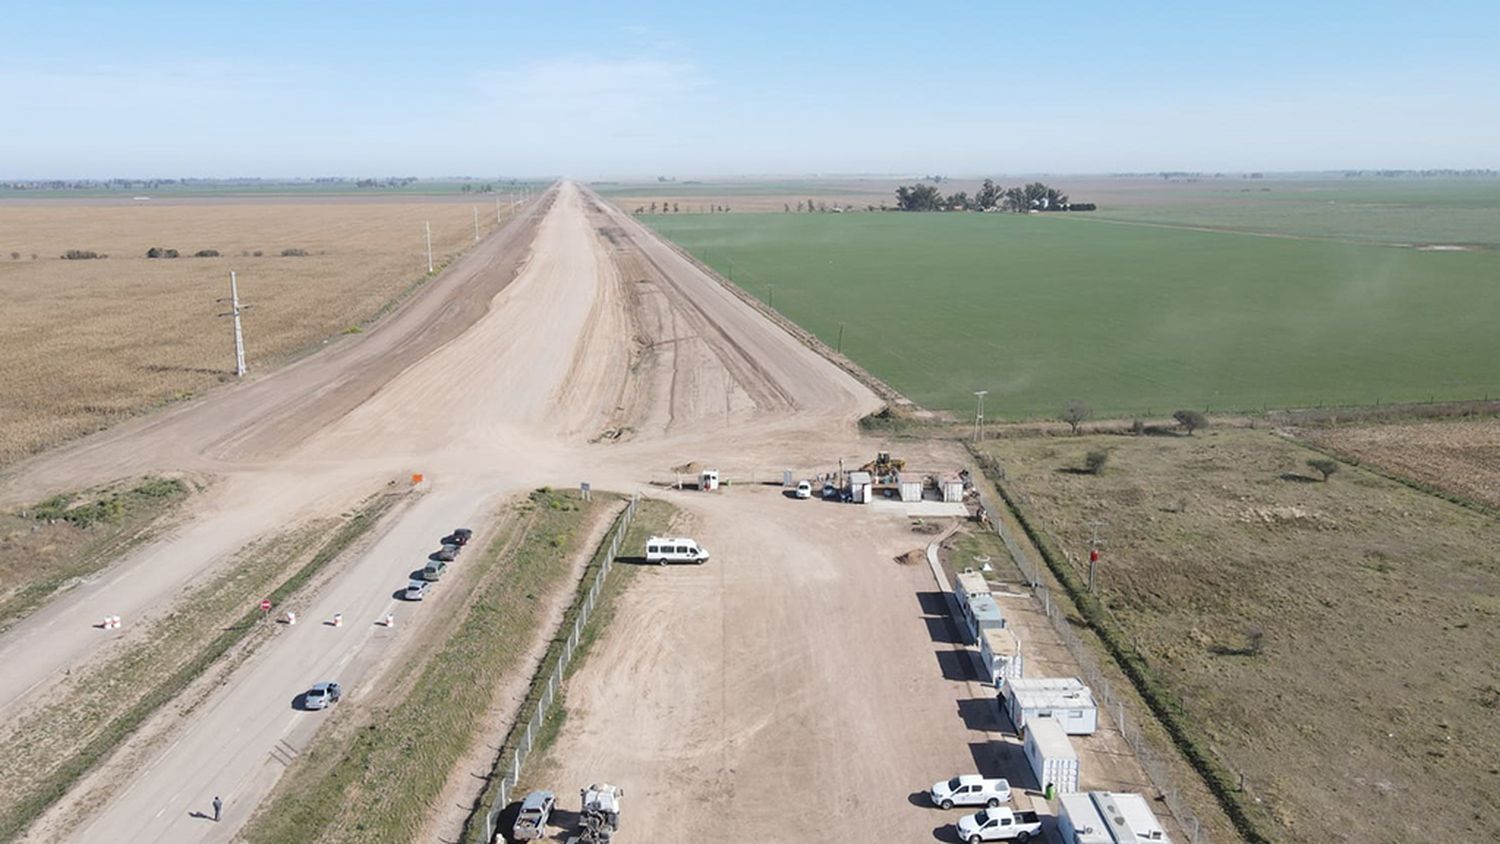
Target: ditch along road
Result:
[501, 375]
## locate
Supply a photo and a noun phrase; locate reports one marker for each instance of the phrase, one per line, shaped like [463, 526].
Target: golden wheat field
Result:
[86, 343]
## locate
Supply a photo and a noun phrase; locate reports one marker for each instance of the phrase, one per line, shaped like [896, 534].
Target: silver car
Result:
[321, 695]
[416, 590]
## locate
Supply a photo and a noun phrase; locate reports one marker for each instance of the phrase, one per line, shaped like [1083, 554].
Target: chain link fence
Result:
[519, 743]
[1152, 760]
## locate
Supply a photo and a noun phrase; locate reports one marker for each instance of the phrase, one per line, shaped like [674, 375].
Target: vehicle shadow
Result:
[505, 822]
[299, 702]
[790, 493]
[633, 561]
[565, 819]
[399, 594]
[920, 799]
[947, 832]
[956, 665]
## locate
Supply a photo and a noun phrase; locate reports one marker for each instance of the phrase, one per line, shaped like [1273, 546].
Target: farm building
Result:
[1049, 753]
[1000, 653]
[1105, 817]
[1065, 699]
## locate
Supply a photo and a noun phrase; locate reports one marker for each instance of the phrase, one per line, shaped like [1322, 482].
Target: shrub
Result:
[293, 253]
[1076, 414]
[1192, 420]
[1094, 461]
[1324, 467]
[15, 256]
[257, 253]
[81, 255]
[1137, 427]
[153, 252]
[206, 253]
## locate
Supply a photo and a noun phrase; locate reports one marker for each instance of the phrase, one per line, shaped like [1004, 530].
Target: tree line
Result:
[1035, 196]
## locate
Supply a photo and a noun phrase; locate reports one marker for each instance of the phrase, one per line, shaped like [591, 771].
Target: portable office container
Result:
[1066, 700]
[1000, 654]
[1049, 753]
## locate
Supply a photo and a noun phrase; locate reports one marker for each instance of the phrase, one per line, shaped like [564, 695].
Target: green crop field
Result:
[1042, 310]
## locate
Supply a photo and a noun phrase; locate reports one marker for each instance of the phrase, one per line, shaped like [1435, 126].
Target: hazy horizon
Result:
[599, 91]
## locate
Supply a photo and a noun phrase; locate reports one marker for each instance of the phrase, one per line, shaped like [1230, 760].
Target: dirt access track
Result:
[494, 379]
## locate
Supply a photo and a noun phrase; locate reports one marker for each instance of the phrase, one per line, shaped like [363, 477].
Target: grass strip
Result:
[56, 783]
[375, 779]
[82, 533]
[651, 518]
[1162, 703]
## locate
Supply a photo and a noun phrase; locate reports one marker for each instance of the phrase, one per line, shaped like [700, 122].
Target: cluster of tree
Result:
[1035, 196]
[158, 252]
[82, 255]
[484, 188]
[391, 182]
[1425, 174]
[675, 208]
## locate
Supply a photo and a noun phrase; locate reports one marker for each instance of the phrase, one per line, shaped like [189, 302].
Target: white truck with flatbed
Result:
[999, 825]
[969, 790]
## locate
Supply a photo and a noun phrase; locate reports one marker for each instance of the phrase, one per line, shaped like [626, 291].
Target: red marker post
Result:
[265, 608]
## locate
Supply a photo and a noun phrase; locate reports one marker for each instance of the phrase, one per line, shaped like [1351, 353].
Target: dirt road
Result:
[490, 381]
[795, 688]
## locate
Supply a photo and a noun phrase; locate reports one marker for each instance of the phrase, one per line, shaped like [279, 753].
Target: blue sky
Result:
[639, 89]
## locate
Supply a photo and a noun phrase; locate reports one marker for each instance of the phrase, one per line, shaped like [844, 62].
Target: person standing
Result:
[218, 807]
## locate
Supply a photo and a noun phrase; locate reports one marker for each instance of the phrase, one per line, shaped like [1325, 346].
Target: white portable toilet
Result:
[1051, 756]
[859, 486]
[709, 480]
[910, 486]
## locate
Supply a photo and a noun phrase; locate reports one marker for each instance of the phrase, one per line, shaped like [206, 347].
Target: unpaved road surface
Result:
[501, 375]
[797, 687]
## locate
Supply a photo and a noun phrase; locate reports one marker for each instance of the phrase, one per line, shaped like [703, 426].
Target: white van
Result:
[665, 549]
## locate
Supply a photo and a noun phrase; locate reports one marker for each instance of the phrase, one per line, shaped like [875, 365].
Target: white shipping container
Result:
[1000, 653]
[1051, 756]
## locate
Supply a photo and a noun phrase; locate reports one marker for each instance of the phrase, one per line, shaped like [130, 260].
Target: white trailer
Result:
[1051, 756]
[1065, 699]
[1000, 653]
[1105, 817]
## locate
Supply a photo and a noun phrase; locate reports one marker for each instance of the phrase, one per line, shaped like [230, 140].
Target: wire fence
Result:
[522, 738]
[1152, 760]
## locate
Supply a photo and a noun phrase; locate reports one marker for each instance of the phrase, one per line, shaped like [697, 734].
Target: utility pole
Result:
[239, 334]
[840, 347]
[1094, 543]
[497, 210]
[979, 414]
[429, 247]
[476, 224]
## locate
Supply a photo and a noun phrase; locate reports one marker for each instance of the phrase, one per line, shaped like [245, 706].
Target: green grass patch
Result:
[65, 741]
[1042, 311]
[374, 779]
[50, 545]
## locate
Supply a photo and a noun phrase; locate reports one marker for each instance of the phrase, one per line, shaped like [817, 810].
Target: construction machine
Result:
[600, 815]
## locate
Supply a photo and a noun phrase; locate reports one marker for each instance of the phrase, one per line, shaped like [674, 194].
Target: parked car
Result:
[447, 553]
[999, 825]
[321, 695]
[804, 490]
[830, 492]
[434, 570]
[459, 536]
[531, 821]
[970, 790]
[666, 549]
[417, 590]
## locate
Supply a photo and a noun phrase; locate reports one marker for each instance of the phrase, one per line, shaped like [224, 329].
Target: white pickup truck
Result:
[999, 825]
[969, 790]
